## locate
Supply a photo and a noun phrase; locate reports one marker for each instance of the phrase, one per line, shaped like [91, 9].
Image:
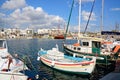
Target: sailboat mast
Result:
[102, 15]
[79, 19]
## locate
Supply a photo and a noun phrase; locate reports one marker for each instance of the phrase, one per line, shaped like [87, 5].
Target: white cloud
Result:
[14, 4]
[85, 16]
[87, 0]
[2, 15]
[115, 9]
[90, 27]
[33, 17]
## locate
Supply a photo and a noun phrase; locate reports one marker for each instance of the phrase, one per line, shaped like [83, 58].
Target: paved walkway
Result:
[111, 76]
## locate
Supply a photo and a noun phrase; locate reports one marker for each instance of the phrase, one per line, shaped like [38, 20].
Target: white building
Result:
[43, 31]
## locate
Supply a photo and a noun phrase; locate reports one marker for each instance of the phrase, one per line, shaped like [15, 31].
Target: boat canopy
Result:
[76, 44]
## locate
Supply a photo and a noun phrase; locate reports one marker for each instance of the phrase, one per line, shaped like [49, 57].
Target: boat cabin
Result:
[88, 46]
[3, 44]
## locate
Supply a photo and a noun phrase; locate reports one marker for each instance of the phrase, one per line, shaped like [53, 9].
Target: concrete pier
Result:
[115, 75]
[111, 76]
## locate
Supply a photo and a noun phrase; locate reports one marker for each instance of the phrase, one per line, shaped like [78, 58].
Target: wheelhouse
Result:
[88, 46]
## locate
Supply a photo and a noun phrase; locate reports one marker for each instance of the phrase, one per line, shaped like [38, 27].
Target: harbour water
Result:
[30, 47]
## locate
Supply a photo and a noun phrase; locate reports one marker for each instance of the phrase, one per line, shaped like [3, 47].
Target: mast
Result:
[102, 16]
[79, 19]
[69, 20]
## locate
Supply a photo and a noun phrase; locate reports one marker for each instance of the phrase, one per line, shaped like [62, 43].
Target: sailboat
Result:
[90, 46]
[59, 35]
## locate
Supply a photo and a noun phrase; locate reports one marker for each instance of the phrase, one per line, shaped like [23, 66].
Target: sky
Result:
[51, 14]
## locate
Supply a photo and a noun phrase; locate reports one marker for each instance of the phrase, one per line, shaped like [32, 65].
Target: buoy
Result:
[37, 76]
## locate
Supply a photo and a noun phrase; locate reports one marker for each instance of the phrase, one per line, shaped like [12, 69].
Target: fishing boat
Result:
[59, 37]
[91, 46]
[73, 65]
[10, 68]
[104, 53]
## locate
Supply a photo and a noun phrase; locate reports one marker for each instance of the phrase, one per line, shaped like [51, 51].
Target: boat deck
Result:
[63, 59]
[60, 60]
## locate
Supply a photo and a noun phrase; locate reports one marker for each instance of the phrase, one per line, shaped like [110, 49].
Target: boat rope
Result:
[27, 63]
[69, 20]
[27, 59]
[89, 16]
[12, 77]
[30, 66]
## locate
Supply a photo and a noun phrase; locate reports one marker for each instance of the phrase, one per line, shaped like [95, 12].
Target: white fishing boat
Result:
[58, 60]
[10, 67]
[92, 46]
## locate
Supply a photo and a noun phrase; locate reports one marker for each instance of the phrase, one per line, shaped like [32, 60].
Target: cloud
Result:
[87, 0]
[33, 17]
[91, 27]
[85, 16]
[2, 15]
[115, 9]
[14, 4]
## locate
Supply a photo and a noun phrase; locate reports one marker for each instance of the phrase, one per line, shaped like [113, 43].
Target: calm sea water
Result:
[30, 47]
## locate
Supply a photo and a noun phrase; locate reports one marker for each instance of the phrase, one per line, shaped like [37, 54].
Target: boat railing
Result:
[77, 58]
[49, 56]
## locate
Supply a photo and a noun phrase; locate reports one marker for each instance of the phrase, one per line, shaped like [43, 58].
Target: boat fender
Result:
[84, 57]
[74, 55]
[53, 63]
[38, 58]
[37, 76]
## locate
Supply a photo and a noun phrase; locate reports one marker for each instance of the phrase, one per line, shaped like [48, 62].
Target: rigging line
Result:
[28, 62]
[69, 20]
[89, 17]
[31, 64]
[12, 76]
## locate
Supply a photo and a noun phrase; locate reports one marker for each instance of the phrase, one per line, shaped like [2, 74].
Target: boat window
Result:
[78, 48]
[85, 44]
[95, 44]
[74, 48]
[1, 43]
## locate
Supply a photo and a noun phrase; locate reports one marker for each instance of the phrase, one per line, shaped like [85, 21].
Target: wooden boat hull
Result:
[59, 37]
[83, 68]
[100, 59]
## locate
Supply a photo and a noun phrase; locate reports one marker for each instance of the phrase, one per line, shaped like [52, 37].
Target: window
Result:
[78, 48]
[85, 44]
[95, 44]
[1, 43]
[74, 48]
